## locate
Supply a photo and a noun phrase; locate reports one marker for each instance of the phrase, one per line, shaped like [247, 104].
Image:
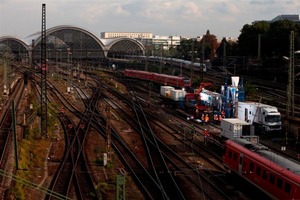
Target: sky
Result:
[188, 18]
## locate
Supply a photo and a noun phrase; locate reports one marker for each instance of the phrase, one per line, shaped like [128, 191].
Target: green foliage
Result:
[102, 188]
[187, 49]
[19, 192]
[31, 161]
[24, 163]
[250, 89]
[31, 133]
[279, 37]
[231, 48]
[191, 49]
[274, 38]
[52, 121]
[207, 46]
[196, 82]
[248, 39]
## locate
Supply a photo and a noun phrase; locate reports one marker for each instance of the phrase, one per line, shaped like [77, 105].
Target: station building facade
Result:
[147, 39]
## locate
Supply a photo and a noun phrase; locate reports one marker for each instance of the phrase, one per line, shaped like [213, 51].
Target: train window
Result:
[258, 171]
[241, 160]
[272, 179]
[279, 183]
[265, 174]
[251, 167]
[234, 156]
[287, 188]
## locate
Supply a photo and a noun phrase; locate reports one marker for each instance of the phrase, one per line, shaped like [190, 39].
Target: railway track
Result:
[7, 128]
[165, 149]
[162, 163]
[72, 178]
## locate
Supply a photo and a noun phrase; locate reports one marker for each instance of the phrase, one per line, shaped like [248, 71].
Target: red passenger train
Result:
[275, 175]
[159, 78]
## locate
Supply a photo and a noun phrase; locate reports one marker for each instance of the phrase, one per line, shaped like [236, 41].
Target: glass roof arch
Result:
[13, 48]
[70, 44]
[67, 43]
[117, 47]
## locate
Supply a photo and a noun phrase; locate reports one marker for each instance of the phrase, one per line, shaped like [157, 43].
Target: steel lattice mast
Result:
[291, 79]
[43, 75]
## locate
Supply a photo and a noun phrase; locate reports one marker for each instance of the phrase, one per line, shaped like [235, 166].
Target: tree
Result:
[186, 49]
[210, 44]
[249, 37]
[278, 38]
[272, 41]
[274, 38]
[231, 48]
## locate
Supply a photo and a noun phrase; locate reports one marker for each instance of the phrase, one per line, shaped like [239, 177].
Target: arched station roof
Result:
[13, 48]
[69, 42]
[124, 45]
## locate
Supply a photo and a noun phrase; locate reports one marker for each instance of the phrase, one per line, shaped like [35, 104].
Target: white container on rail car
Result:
[176, 95]
[166, 91]
[232, 128]
[210, 98]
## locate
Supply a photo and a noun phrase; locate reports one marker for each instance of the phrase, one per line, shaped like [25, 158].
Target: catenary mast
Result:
[43, 75]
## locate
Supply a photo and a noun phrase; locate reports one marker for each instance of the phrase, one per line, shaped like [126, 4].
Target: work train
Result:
[176, 81]
[275, 175]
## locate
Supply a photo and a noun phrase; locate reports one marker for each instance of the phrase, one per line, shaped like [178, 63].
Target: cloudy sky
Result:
[191, 18]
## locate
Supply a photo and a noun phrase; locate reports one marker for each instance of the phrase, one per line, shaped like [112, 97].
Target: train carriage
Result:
[275, 175]
[159, 78]
[171, 80]
[139, 74]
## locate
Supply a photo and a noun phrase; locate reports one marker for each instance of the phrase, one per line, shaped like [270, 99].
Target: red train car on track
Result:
[275, 175]
[159, 78]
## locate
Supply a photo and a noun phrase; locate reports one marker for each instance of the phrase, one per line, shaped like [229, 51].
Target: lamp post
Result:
[86, 58]
[60, 54]
[56, 57]
[68, 54]
[48, 54]
[203, 57]
[160, 62]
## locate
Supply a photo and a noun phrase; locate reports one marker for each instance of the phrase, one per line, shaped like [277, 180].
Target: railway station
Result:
[67, 42]
[89, 131]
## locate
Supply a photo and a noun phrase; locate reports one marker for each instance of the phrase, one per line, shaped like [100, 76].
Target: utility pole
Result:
[31, 54]
[203, 57]
[120, 187]
[43, 75]
[146, 56]
[5, 84]
[108, 133]
[291, 79]
[192, 61]
[15, 133]
[259, 47]
[160, 62]
[224, 55]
